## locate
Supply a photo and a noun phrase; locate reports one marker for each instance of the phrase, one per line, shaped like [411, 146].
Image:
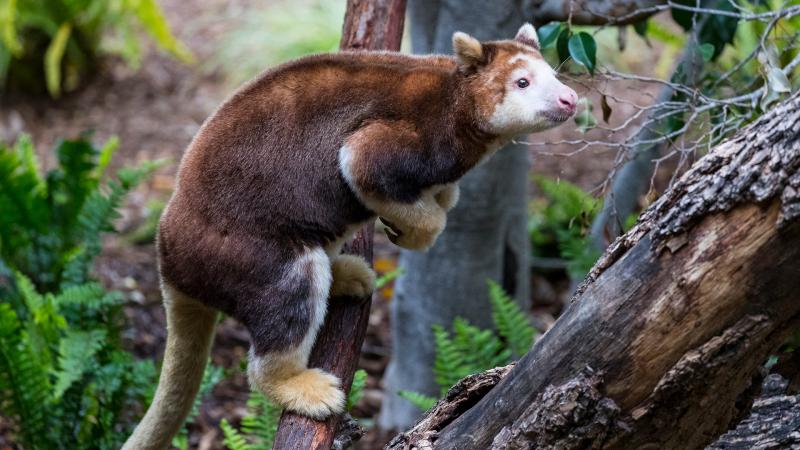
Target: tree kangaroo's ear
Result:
[527, 35]
[468, 50]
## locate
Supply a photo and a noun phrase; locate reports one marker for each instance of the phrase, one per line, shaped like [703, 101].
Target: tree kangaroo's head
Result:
[514, 89]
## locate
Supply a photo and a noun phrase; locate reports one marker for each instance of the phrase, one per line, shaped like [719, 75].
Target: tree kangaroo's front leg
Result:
[415, 225]
[378, 162]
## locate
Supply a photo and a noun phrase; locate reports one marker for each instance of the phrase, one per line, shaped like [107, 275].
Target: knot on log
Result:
[571, 415]
[461, 397]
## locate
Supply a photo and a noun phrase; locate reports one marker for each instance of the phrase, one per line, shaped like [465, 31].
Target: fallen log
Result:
[663, 344]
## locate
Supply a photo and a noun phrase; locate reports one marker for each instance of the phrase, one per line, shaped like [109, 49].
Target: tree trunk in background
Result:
[665, 342]
[486, 234]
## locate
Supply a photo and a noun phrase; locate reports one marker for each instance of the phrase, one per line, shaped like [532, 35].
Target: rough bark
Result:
[774, 422]
[368, 25]
[675, 321]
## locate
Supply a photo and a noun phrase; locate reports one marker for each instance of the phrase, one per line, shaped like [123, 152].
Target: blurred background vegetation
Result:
[100, 97]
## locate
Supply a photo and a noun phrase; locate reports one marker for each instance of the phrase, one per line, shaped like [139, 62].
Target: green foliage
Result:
[549, 33]
[583, 50]
[512, 324]
[51, 225]
[52, 43]
[421, 401]
[271, 36]
[469, 349]
[65, 381]
[357, 388]
[558, 225]
[260, 423]
[388, 277]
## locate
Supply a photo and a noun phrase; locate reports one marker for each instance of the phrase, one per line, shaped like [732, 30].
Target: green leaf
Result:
[641, 28]
[76, 356]
[562, 44]
[583, 50]
[549, 33]
[511, 322]
[421, 401]
[152, 19]
[706, 51]
[357, 388]
[8, 32]
[232, 438]
[53, 57]
[388, 277]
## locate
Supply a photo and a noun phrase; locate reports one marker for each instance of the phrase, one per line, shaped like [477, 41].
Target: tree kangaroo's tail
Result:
[190, 330]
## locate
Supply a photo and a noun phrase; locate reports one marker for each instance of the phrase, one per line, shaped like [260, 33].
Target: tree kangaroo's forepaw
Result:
[312, 392]
[352, 277]
[412, 238]
[448, 197]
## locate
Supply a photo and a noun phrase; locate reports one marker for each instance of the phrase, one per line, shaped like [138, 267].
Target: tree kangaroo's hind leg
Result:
[278, 364]
[293, 310]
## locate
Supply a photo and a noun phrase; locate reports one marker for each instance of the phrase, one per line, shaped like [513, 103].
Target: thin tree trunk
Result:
[663, 341]
[368, 25]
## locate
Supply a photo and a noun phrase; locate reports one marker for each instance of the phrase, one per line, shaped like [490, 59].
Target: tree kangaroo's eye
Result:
[523, 83]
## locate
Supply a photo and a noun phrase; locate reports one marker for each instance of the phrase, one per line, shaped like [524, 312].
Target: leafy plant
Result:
[52, 43]
[260, 423]
[51, 225]
[558, 225]
[468, 349]
[65, 381]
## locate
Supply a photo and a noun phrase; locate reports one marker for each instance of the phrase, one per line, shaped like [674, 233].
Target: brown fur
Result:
[283, 173]
[262, 180]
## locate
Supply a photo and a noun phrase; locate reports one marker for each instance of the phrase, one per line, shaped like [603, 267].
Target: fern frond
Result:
[512, 324]
[45, 324]
[261, 421]
[357, 388]
[421, 401]
[481, 349]
[29, 395]
[449, 362]
[76, 356]
[233, 439]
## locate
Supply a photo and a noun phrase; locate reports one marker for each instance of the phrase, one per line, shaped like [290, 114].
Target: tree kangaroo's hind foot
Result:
[352, 277]
[309, 392]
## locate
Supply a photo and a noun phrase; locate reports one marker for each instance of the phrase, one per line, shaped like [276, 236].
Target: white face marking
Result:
[532, 108]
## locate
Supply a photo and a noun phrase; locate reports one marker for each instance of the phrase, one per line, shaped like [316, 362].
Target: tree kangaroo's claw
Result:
[391, 230]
